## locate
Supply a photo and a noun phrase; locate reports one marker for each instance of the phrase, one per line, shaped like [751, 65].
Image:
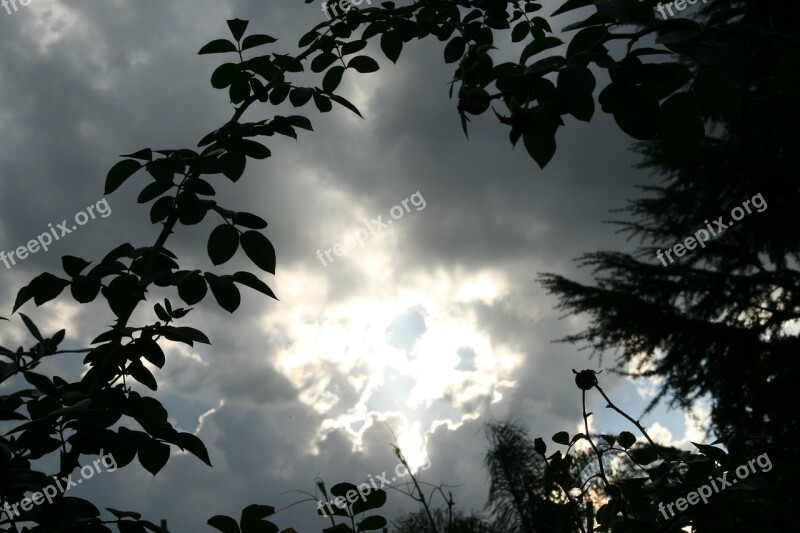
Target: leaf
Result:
[259, 250]
[371, 523]
[153, 455]
[323, 103]
[192, 289]
[223, 243]
[249, 220]
[145, 154]
[562, 437]
[84, 289]
[540, 147]
[42, 289]
[153, 353]
[161, 313]
[353, 46]
[223, 75]
[73, 266]
[255, 150]
[585, 40]
[323, 61]
[251, 41]
[454, 49]
[344, 102]
[520, 31]
[251, 280]
[119, 173]
[226, 524]
[154, 190]
[713, 453]
[300, 96]
[392, 45]
[140, 373]
[332, 78]
[224, 291]
[374, 500]
[254, 512]
[195, 446]
[627, 439]
[363, 64]
[184, 334]
[218, 46]
[41, 383]
[31, 327]
[575, 86]
[161, 209]
[237, 27]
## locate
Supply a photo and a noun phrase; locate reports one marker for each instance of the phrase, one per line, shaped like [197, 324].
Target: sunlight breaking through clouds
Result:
[360, 361]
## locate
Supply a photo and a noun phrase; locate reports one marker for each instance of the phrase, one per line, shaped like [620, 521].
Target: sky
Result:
[424, 331]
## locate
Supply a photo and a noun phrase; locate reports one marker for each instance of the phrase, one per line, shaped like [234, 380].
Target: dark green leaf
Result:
[152, 352]
[154, 190]
[192, 444]
[520, 31]
[342, 101]
[31, 327]
[323, 103]
[223, 243]
[323, 61]
[73, 266]
[371, 523]
[332, 78]
[153, 455]
[454, 49]
[119, 173]
[363, 64]
[255, 150]
[353, 46]
[223, 75]
[374, 500]
[562, 437]
[218, 46]
[224, 291]
[160, 209]
[249, 220]
[585, 40]
[251, 41]
[140, 373]
[259, 250]
[42, 289]
[251, 280]
[627, 439]
[300, 96]
[392, 45]
[226, 524]
[237, 27]
[192, 289]
[84, 289]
